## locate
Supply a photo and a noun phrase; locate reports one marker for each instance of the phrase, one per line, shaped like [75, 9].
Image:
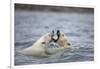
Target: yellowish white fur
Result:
[64, 41]
[64, 44]
[39, 47]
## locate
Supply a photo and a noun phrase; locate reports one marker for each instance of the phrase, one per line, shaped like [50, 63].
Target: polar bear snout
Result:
[61, 39]
[55, 37]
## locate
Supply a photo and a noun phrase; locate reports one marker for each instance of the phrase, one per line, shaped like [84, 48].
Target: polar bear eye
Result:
[43, 42]
[68, 44]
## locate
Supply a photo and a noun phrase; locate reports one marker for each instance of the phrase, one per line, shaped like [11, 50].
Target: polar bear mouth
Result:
[55, 38]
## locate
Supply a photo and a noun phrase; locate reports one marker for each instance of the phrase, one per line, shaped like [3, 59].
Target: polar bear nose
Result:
[55, 37]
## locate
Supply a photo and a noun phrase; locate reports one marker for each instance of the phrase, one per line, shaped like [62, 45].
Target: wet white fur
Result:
[63, 45]
[64, 40]
[39, 47]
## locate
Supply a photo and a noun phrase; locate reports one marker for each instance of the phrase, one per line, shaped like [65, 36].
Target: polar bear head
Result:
[62, 40]
[44, 40]
[39, 47]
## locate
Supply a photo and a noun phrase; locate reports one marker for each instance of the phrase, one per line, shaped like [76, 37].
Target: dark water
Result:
[31, 25]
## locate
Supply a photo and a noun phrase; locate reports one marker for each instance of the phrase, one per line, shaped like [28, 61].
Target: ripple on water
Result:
[29, 26]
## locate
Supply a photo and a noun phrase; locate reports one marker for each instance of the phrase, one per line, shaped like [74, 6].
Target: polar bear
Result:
[39, 47]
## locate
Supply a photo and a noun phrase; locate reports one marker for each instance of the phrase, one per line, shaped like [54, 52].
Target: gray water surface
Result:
[31, 25]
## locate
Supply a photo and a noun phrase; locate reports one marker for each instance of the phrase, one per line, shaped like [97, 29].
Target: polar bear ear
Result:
[49, 35]
[62, 34]
[52, 33]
